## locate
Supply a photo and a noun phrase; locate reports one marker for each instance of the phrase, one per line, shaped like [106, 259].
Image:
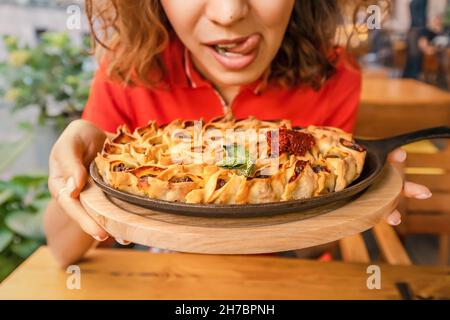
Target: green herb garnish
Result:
[238, 158]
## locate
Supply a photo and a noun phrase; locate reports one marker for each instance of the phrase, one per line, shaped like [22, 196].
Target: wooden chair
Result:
[410, 106]
[426, 164]
[399, 49]
[354, 249]
[447, 63]
[430, 68]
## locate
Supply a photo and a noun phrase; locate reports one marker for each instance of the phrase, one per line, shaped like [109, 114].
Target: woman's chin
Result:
[240, 78]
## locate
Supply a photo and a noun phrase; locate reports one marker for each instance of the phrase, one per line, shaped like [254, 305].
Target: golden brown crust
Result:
[172, 163]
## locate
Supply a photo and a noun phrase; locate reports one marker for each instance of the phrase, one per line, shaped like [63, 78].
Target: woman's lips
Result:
[238, 54]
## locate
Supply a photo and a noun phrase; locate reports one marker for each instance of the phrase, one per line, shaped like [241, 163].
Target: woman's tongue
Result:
[245, 46]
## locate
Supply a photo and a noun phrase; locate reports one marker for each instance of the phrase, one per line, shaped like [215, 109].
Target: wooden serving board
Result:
[245, 235]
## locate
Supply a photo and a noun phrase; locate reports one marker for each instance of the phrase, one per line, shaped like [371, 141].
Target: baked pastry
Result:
[229, 161]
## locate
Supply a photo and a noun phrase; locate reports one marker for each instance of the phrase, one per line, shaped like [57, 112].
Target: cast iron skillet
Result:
[377, 151]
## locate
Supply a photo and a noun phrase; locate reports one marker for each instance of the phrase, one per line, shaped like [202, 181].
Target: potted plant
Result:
[54, 77]
[23, 200]
[49, 83]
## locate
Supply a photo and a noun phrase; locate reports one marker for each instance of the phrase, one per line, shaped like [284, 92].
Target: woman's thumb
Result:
[77, 179]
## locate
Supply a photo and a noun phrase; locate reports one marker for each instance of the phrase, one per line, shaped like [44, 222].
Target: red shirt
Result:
[189, 96]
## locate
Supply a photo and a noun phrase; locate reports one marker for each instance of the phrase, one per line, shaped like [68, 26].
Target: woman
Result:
[171, 59]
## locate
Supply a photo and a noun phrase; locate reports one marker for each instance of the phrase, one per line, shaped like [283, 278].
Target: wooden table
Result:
[129, 274]
[393, 106]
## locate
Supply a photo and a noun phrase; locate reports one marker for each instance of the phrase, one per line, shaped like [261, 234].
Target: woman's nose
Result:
[226, 12]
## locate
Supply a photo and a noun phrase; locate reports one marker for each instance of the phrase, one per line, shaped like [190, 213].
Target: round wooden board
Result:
[245, 235]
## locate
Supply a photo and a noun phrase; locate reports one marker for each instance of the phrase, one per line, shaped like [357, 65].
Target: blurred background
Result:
[45, 73]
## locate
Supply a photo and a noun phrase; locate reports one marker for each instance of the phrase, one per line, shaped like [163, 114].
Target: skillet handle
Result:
[391, 143]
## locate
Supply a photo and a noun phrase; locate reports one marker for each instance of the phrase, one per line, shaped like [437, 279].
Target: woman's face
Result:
[232, 42]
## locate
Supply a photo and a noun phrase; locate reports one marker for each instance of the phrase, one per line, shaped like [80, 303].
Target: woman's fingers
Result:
[417, 191]
[410, 189]
[65, 187]
[394, 219]
[398, 155]
[75, 148]
[75, 170]
[67, 163]
[75, 210]
[122, 241]
[56, 178]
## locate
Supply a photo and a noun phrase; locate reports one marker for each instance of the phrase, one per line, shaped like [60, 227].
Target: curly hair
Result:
[134, 33]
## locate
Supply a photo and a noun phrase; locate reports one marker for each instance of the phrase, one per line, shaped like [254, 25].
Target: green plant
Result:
[53, 76]
[446, 20]
[23, 200]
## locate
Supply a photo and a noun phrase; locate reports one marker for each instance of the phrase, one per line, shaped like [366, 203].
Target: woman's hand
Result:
[73, 151]
[410, 189]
